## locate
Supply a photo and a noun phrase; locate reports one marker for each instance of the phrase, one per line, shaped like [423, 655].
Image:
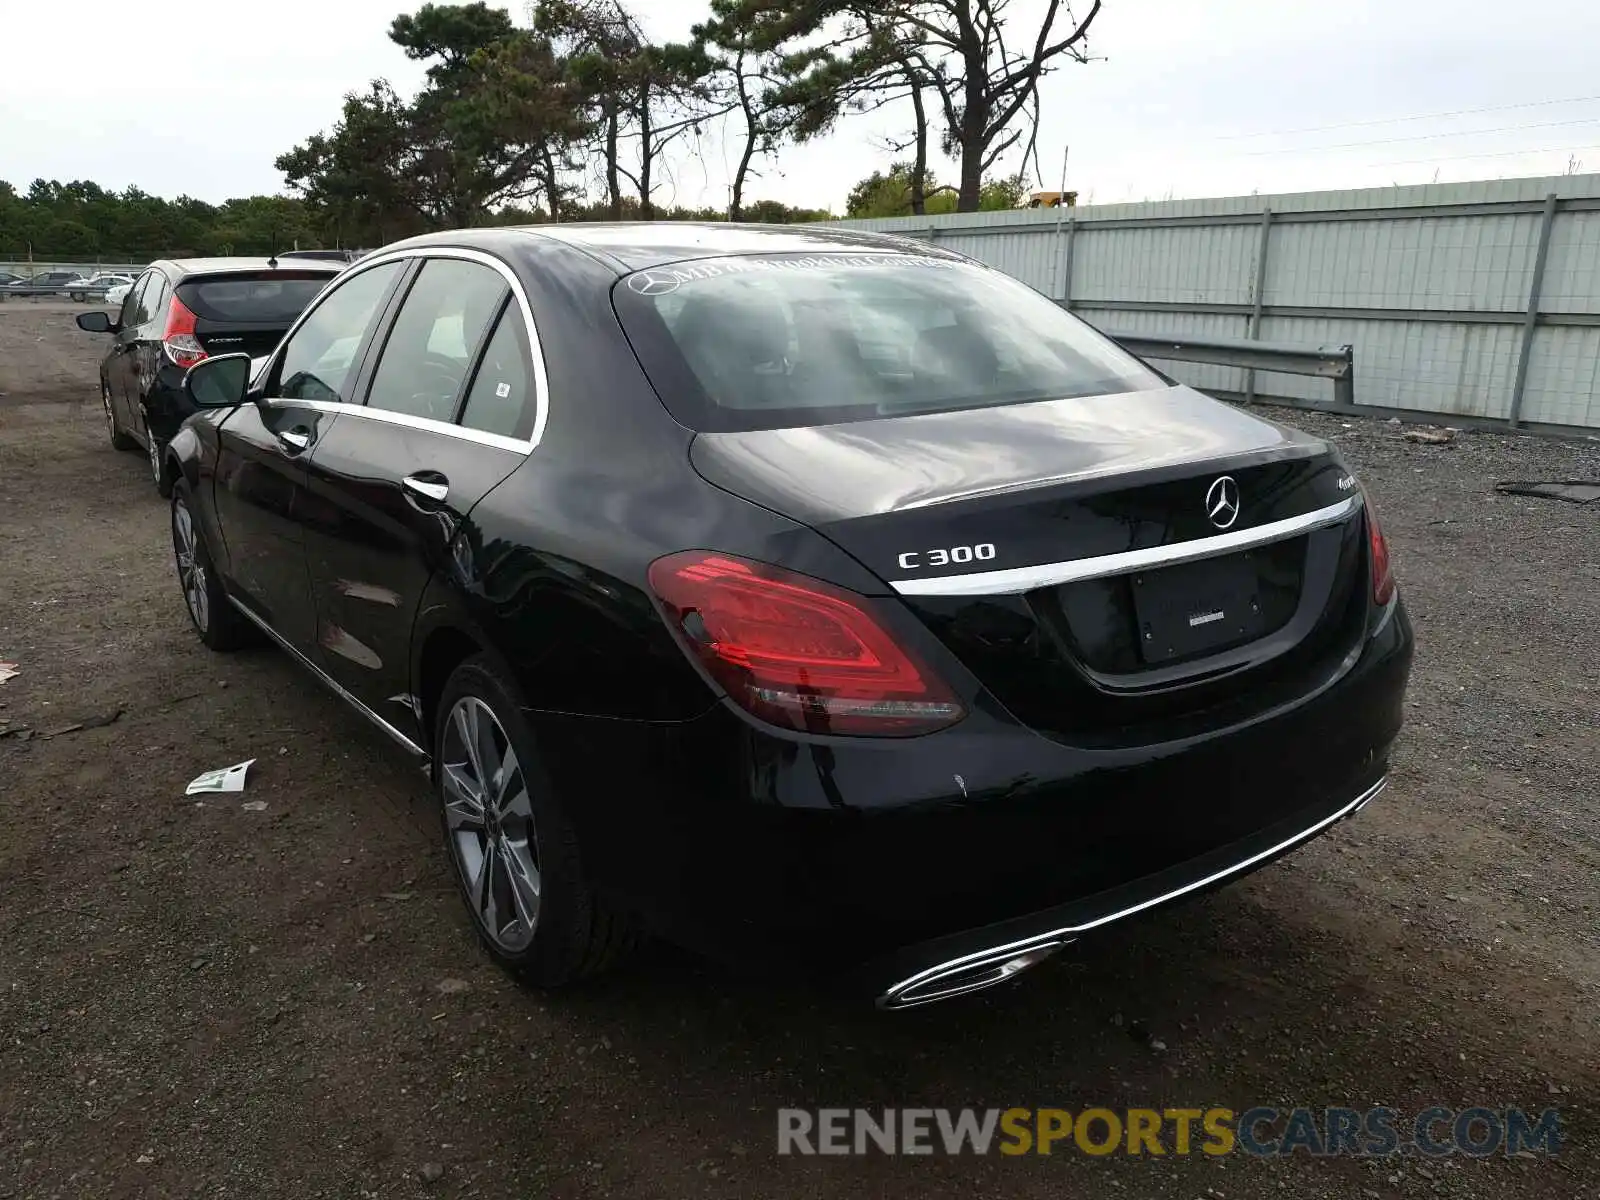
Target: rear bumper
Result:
[980, 958]
[882, 860]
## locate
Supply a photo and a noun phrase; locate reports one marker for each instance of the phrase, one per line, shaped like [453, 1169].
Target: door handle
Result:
[429, 485]
[295, 440]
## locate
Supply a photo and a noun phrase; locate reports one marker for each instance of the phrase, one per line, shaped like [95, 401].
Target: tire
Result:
[119, 440]
[77, 297]
[156, 449]
[542, 921]
[218, 623]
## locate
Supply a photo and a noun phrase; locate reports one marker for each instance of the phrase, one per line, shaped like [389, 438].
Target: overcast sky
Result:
[1193, 98]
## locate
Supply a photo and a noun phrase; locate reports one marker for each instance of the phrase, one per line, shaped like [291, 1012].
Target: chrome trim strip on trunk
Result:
[917, 985]
[1025, 579]
[330, 681]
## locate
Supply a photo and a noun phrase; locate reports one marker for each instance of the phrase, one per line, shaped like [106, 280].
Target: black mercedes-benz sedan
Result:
[812, 598]
[176, 314]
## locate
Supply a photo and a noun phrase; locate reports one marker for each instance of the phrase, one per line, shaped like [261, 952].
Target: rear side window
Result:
[795, 340]
[267, 299]
[318, 357]
[155, 299]
[429, 350]
[501, 399]
[129, 318]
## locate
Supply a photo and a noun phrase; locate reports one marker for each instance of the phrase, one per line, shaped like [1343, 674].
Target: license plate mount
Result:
[1198, 607]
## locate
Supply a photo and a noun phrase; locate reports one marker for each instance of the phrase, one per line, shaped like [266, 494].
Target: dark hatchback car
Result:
[47, 283]
[177, 314]
[810, 597]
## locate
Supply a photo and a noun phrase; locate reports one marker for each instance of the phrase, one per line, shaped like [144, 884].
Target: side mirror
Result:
[96, 322]
[218, 382]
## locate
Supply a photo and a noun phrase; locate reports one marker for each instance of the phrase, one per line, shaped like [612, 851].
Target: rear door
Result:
[121, 365]
[263, 448]
[449, 413]
[145, 345]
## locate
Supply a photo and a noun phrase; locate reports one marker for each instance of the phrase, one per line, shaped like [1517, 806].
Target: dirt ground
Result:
[198, 999]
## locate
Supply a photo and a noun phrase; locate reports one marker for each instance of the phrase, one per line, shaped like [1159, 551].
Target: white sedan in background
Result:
[117, 293]
[88, 287]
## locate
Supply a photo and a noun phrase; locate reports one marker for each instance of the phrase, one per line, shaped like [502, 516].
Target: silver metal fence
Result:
[1477, 301]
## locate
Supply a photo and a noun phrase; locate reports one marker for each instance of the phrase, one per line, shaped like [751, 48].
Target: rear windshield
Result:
[269, 299]
[793, 340]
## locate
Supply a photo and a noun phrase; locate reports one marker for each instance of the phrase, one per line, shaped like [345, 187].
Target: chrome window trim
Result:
[1067, 933]
[323, 677]
[426, 424]
[1017, 580]
[541, 382]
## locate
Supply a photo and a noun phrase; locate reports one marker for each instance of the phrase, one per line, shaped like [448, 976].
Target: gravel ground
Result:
[198, 999]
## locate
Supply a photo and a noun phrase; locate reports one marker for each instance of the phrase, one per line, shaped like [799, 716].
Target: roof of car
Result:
[635, 245]
[219, 266]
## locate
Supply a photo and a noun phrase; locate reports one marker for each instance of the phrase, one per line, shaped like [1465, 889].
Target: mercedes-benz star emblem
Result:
[1222, 502]
[653, 283]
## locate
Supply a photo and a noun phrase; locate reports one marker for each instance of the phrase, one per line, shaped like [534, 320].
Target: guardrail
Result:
[64, 291]
[1336, 363]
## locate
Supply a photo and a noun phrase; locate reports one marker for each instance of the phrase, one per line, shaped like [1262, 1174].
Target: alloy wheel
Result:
[111, 417]
[489, 818]
[191, 570]
[155, 452]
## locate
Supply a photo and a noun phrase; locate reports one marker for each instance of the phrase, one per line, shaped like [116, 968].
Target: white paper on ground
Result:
[8, 671]
[227, 779]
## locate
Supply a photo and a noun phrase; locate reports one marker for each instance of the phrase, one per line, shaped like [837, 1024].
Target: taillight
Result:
[181, 345]
[1382, 575]
[799, 652]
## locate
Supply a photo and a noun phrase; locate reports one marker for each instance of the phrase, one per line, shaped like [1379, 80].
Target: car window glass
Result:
[155, 300]
[789, 341]
[152, 293]
[429, 351]
[501, 399]
[318, 357]
[129, 315]
[277, 297]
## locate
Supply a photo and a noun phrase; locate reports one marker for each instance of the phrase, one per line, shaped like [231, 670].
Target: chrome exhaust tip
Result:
[963, 975]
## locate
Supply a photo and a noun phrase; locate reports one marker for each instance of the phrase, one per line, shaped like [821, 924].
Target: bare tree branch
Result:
[1000, 148]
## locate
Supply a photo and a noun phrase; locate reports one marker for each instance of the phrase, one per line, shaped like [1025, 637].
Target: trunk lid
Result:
[248, 312]
[1073, 553]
